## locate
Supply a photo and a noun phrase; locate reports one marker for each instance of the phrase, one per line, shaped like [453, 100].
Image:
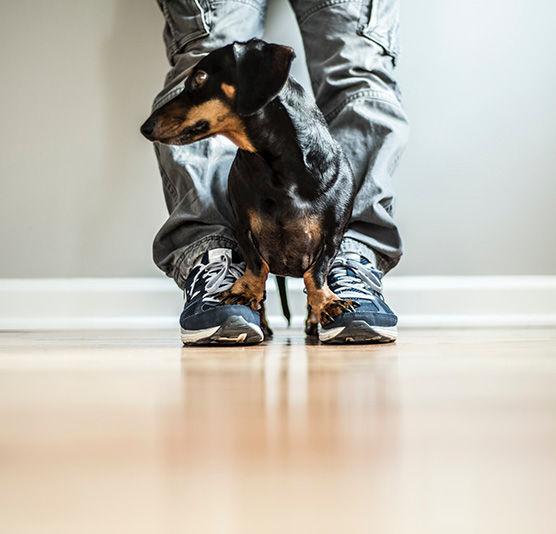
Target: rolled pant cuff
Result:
[187, 259]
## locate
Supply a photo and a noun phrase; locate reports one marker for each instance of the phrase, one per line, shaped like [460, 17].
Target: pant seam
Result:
[177, 44]
[167, 183]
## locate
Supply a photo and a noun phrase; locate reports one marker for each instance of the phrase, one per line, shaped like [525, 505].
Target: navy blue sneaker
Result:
[353, 277]
[203, 319]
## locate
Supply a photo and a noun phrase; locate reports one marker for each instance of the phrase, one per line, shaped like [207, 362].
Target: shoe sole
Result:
[358, 332]
[233, 331]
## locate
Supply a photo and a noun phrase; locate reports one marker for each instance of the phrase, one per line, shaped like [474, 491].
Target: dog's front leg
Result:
[248, 290]
[322, 304]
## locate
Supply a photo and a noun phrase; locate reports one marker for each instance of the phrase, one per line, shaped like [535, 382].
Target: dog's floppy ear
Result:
[262, 70]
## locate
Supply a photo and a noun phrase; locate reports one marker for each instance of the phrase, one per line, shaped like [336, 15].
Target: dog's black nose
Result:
[148, 128]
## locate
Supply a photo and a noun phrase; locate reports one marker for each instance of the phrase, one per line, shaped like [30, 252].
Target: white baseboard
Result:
[419, 301]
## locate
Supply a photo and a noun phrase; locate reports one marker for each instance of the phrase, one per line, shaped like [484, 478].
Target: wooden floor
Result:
[124, 432]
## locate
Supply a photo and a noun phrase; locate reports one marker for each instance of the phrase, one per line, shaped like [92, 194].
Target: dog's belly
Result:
[289, 247]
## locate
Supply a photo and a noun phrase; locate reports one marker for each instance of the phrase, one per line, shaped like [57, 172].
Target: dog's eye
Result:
[200, 78]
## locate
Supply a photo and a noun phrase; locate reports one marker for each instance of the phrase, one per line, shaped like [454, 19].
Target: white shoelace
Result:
[361, 286]
[219, 275]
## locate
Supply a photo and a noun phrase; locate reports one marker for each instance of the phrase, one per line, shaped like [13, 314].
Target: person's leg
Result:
[351, 50]
[195, 176]
[197, 245]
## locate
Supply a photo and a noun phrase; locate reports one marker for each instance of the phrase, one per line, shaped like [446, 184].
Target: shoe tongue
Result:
[354, 256]
[216, 253]
[212, 255]
[351, 256]
[357, 257]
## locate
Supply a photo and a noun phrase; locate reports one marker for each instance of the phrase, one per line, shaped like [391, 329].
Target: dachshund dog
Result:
[290, 185]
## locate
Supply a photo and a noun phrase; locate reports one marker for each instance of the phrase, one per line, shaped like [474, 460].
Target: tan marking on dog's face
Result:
[220, 117]
[229, 90]
[209, 111]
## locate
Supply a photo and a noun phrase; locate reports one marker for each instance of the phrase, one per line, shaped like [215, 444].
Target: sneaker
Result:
[203, 319]
[353, 277]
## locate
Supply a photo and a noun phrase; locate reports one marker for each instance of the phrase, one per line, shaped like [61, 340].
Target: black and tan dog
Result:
[290, 185]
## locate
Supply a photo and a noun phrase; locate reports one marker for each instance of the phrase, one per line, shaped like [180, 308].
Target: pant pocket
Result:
[186, 21]
[379, 22]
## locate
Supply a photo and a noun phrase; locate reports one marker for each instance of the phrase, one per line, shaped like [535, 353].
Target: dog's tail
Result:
[281, 283]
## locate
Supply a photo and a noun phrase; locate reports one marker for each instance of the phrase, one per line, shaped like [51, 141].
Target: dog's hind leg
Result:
[264, 322]
[311, 323]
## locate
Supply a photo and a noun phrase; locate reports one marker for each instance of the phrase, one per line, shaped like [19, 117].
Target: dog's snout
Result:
[148, 128]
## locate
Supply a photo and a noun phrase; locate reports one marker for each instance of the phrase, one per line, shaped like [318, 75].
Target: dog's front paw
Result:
[229, 298]
[335, 307]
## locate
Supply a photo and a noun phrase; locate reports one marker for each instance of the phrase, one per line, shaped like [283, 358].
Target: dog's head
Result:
[226, 86]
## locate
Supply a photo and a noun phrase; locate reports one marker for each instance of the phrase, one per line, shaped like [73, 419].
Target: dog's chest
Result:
[288, 243]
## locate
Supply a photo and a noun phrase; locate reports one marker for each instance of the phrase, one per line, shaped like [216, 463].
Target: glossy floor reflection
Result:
[445, 431]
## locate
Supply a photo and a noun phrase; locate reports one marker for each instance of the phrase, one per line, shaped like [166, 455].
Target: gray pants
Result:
[351, 49]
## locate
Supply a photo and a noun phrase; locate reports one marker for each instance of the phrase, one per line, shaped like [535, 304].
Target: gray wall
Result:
[477, 185]
[80, 193]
